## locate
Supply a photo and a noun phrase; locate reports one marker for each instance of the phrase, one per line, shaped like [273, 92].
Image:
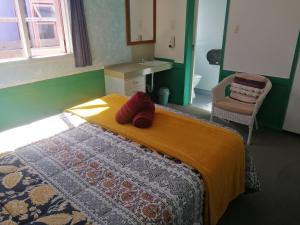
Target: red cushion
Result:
[137, 103]
[143, 119]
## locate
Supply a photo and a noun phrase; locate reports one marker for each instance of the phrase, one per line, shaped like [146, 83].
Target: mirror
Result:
[140, 21]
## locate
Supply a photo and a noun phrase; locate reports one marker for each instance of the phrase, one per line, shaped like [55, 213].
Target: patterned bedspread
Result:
[87, 175]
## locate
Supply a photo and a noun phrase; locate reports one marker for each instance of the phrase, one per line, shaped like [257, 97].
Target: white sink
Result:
[130, 70]
[126, 70]
[154, 63]
[157, 65]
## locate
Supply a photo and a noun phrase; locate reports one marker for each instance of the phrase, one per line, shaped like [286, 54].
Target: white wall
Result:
[262, 36]
[171, 18]
[210, 27]
[106, 27]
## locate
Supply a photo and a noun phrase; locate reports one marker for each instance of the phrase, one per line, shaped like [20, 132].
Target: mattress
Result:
[88, 175]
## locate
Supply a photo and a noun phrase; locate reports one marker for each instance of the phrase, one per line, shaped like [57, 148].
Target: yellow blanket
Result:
[214, 151]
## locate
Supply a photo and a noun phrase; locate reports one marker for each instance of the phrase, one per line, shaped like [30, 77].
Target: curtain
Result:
[81, 46]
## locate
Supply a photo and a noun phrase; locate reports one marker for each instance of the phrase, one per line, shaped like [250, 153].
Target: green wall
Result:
[172, 79]
[178, 79]
[27, 103]
[273, 110]
[188, 51]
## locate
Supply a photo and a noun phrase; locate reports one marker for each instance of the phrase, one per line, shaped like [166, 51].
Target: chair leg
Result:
[250, 134]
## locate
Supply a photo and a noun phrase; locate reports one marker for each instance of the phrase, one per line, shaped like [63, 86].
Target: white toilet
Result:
[196, 81]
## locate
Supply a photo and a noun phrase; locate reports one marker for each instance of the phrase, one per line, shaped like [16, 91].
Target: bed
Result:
[90, 175]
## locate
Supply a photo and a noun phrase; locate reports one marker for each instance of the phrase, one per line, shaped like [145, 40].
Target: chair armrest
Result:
[218, 92]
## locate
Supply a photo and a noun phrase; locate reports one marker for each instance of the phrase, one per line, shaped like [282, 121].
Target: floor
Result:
[277, 158]
[203, 99]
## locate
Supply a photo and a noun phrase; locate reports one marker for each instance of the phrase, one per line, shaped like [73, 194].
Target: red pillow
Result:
[133, 106]
[143, 119]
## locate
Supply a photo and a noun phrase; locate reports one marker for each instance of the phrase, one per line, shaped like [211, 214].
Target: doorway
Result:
[208, 39]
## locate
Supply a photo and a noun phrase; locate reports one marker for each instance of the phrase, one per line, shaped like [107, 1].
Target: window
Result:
[10, 38]
[31, 28]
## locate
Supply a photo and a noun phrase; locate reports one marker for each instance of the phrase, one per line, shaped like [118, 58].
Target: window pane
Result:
[39, 8]
[46, 31]
[9, 36]
[43, 35]
[29, 10]
[10, 41]
[44, 22]
[45, 11]
[7, 8]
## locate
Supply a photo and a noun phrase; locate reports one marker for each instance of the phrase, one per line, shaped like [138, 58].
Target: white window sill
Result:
[51, 55]
[12, 60]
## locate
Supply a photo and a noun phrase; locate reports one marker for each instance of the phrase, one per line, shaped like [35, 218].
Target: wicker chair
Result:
[245, 113]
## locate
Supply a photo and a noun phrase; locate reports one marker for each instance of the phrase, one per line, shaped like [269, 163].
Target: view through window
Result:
[31, 28]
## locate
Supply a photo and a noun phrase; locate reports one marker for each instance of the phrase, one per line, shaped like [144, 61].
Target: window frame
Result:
[12, 53]
[63, 31]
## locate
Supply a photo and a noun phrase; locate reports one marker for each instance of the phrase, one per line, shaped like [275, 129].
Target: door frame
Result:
[190, 35]
[195, 30]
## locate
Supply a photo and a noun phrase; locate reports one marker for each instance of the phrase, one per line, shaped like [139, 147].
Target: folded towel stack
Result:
[247, 87]
[139, 110]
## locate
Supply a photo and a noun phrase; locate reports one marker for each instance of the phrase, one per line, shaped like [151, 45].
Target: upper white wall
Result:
[262, 36]
[106, 28]
[170, 21]
[210, 27]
